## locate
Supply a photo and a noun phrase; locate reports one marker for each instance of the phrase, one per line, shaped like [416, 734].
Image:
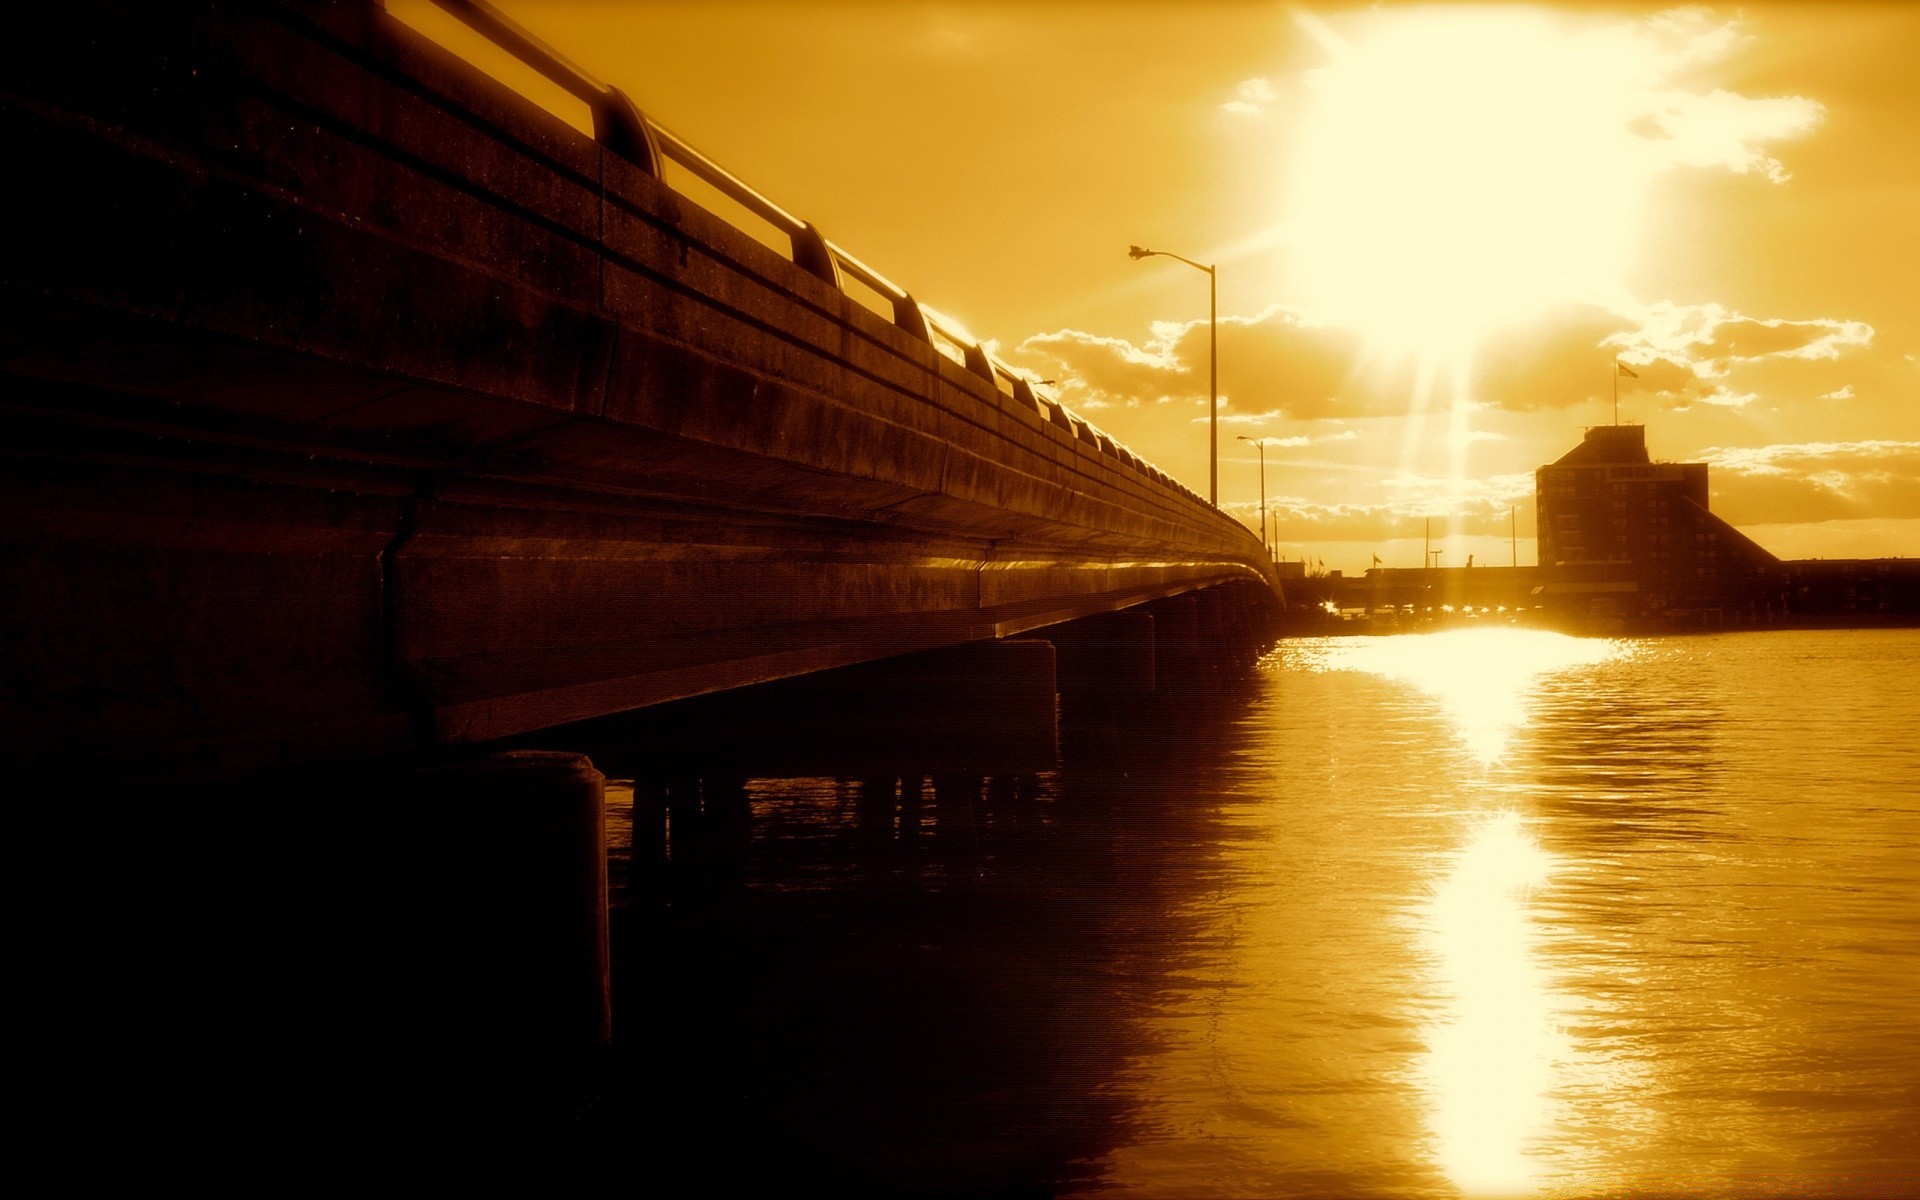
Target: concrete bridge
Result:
[357, 406]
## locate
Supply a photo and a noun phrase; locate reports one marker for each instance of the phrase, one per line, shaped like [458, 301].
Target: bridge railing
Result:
[624, 129]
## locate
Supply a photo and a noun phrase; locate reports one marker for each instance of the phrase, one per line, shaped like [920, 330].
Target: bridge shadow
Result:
[892, 982]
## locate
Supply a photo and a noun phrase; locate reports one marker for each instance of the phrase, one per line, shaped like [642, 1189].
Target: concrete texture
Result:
[355, 405]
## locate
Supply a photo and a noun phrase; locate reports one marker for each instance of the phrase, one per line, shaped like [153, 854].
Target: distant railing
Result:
[622, 128]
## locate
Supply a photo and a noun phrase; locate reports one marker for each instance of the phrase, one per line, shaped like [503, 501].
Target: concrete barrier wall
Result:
[476, 426]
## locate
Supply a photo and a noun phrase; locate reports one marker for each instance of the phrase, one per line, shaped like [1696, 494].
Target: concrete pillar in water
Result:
[985, 707]
[1006, 696]
[958, 803]
[649, 825]
[1212, 613]
[686, 839]
[875, 811]
[726, 822]
[912, 807]
[1108, 658]
[1243, 622]
[1133, 651]
[1175, 642]
[511, 981]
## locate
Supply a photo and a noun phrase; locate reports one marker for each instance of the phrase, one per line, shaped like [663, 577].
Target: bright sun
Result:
[1463, 169]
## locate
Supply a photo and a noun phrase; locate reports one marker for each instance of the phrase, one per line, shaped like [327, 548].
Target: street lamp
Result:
[1213, 368]
[1260, 444]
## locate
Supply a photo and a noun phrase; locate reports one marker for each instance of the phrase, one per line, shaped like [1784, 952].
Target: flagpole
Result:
[1616, 391]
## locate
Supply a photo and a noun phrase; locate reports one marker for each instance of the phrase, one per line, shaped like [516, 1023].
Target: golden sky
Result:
[1435, 230]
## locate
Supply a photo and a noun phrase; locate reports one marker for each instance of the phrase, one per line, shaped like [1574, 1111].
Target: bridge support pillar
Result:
[985, 706]
[649, 855]
[1212, 613]
[1246, 632]
[875, 799]
[1176, 643]
[502, 946]
[1106, 654]
[1106, 660]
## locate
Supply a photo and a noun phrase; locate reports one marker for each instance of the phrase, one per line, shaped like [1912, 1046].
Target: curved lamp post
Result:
[1213, 368]
[1260, 444]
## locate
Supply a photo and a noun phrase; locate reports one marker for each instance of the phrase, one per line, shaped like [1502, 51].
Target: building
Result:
[1626, 543]
[1853, 591]
[1623, 536]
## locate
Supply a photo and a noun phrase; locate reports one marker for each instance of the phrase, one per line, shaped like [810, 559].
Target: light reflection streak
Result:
[1491, 1058]
[1496, 1051]
[1483, 678]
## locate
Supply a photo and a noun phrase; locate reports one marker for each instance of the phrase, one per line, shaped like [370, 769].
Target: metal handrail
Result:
[618, 124]
[621, 127]
[907, 313]
[811, 251]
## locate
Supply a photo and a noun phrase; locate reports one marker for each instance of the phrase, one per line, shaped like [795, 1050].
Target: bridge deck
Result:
[354, 401]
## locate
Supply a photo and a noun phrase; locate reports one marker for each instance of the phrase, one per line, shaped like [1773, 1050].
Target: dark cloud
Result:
[1403, 504]
[1270, 363]
[1276, 367]
[1555, 361]
[1816, 481]
[1747, 338]
[1689, 354]
[1104, 368]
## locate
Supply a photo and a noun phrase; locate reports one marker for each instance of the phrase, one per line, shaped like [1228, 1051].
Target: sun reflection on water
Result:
[1481, 677]
[1491, 1056]
[1496, 1048]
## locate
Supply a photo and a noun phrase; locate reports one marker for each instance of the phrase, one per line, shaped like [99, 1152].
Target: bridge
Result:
[364, 425]
[358, 406]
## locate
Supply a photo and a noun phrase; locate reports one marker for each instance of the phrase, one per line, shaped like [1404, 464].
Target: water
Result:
[1474, 913]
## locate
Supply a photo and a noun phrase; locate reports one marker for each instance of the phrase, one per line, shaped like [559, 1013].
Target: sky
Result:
[1436, 231]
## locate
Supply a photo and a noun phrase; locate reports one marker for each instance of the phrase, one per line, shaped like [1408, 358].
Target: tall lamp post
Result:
[1213, 366]
[1260, 444]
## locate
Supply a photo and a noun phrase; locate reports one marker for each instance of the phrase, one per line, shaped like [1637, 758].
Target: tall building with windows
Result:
[1623, 535]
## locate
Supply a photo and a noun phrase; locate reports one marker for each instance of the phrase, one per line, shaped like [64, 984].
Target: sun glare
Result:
[1484, 679]
[1462, 169]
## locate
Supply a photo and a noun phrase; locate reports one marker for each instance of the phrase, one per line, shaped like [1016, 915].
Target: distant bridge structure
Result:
[355, 405]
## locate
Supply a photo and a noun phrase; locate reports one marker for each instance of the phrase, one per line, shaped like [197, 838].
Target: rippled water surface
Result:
[1483, 912]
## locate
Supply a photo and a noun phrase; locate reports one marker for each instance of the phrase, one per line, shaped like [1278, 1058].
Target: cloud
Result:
[1105, 368]
[1810, 482]
[1721, 397]
[1466, 505]
[1427, 494]
[1250, 97]
[1687, 354]
[1276, 366]
[1297, 519]
[1273, 364]
[1844, 392]
[1717, 128]
[1748, 339]
[1714, 335]
[1725, 129]
[1555, 361]
[1260, 418]
[1784, 484]
[1692, 37]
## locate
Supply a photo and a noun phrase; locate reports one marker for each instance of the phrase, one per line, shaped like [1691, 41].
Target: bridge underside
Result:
[353, 407]
[204, 600]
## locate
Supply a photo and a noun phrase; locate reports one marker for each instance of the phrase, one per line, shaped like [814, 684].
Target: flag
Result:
[1624, 371]
[1376, 560]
